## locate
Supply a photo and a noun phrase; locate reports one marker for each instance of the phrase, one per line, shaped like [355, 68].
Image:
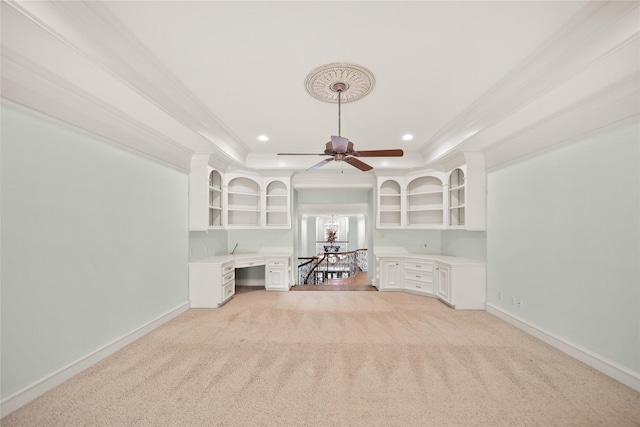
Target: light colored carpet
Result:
[335, 359]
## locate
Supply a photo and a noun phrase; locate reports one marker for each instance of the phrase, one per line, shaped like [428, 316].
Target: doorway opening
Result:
[333, 253]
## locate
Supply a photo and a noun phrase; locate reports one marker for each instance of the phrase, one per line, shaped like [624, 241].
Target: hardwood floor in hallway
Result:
[359, 282]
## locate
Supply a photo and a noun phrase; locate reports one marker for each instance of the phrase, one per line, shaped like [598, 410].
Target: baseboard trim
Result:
[25, 395]
[602, 364]
[250, 282]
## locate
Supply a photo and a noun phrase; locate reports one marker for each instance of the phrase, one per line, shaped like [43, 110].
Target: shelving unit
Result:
[277, 205]
[243, 203]
[425, 202]
[215, 200]
[390, 204]
[457, 198]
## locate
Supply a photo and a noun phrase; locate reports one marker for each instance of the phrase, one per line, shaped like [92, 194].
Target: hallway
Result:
[359, 282]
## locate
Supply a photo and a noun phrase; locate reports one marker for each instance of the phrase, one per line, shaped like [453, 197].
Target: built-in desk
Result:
[458, 282]
[212, 280]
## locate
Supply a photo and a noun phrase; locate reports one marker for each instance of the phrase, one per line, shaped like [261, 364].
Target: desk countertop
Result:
[221, 259]
[451, 260]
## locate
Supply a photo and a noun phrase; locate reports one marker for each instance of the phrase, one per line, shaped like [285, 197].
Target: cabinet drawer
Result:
[425, 287]
[242, 263]
[418, 265]
[228, 267]
[418, 277]
[228, 290]
[229, 277]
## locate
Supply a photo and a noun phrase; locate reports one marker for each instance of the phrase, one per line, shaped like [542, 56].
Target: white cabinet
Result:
[277, 274]
[415, 200]
[206, 195]
[418, 276]
[212, 283]
[465, 285]
[199, 193]
[443, 283]
[475, 192]
[254, 201]
[212, 280]
[433, 199]
[458, 282]
[390, 277]
[236, 200]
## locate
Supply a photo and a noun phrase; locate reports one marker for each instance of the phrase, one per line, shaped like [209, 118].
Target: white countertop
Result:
[451, 260]
[221, 259]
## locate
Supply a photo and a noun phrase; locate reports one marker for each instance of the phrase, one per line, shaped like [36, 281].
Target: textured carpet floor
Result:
[335, 359]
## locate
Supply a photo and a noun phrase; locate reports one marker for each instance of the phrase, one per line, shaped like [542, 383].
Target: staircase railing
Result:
[317, 269]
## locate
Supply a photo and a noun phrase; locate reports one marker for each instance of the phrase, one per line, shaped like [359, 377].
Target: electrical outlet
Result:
[519, 302]
[500, 295]
[513, 300]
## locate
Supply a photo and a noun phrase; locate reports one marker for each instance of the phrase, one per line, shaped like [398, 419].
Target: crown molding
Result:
[301, 163]
[91, 31]
[611, 107]
[592, 39]
[325, 209]
[333, 181]
[28, 85]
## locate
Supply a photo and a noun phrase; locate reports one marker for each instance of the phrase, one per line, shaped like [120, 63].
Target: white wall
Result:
[563, 234]
[406, 241]
[260, 241]
[464, 244]
[94, 244]
[203, 244]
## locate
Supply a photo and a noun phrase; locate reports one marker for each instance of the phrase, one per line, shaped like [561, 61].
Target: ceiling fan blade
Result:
[339, 144]
[301, 154]
[379, 153]
[359, 164]
[319, 165]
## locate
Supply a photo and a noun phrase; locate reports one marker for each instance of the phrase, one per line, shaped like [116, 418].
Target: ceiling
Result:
[173, 79]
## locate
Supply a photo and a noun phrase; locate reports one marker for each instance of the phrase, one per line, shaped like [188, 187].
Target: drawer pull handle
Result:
[418, 286]
[418, 266]
[418, 277]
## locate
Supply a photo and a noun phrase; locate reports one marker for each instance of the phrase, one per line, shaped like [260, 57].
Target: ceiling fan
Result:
[341, 149]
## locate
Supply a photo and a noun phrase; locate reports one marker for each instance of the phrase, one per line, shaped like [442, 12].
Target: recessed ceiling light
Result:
[263, 138]
[407, 137]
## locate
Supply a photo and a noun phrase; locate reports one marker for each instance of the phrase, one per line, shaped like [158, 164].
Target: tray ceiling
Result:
[210, 77]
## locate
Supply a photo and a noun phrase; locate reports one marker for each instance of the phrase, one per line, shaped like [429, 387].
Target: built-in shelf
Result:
[215, 200]
[277, 205]
[425, 204]
[457, 198]
[243, 203]
[389, 204]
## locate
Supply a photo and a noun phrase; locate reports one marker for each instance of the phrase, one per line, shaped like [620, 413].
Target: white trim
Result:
[250, 282]
[596, 361]
[25, 395]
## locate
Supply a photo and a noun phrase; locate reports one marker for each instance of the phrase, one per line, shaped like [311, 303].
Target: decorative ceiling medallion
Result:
[326, 81]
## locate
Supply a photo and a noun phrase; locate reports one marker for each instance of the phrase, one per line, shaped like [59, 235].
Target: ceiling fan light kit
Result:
[339, 83]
